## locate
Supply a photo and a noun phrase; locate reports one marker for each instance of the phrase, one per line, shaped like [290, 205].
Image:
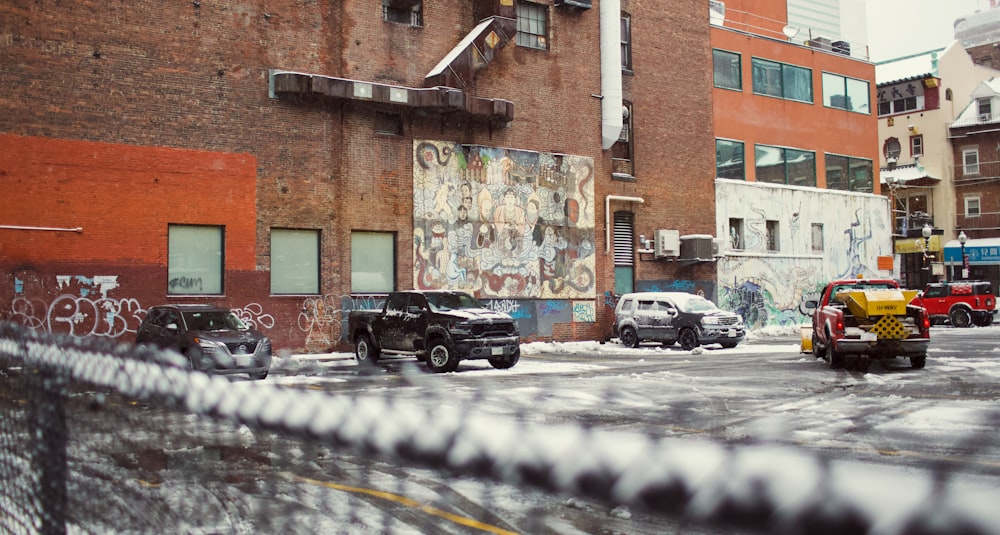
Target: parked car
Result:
[672, 317]
[211, 338]
[961, 303]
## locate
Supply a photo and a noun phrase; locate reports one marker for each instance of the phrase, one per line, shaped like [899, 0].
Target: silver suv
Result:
[211, 338]
[672, 317]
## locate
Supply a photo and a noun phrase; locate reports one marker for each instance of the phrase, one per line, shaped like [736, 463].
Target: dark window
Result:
[783, 81]
[773, 238]
[735, 233]
[626, 41]
[621, 151]
[532, 25]
[729, 161]
[403, 11]
[388, 123]
[778, 165]
[849, 174]
[728, 70]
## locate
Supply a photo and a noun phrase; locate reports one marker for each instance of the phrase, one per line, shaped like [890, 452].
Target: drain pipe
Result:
[607, 216]
[52, 229]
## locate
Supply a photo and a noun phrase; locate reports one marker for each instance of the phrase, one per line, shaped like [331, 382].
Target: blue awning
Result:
[981, 252]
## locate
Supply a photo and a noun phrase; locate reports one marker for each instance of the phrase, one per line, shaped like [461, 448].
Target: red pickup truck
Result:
[868, 319]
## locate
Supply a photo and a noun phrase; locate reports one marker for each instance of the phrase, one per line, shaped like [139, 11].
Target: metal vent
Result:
[624, 238]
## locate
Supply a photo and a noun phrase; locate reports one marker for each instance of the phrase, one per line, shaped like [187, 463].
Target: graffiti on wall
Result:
[827, 235]
[82, 309]
[502, 223]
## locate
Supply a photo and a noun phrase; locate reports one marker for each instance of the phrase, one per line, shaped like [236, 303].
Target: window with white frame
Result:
[984, 107]
[195, 259]
[294, 261]
[970, 161]
[917, 146]
[403, 11]
[972, 207]
[373, 261]
[532, 25]
[773, 238]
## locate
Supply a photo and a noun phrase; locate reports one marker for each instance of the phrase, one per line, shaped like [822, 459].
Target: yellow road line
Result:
[407, 502]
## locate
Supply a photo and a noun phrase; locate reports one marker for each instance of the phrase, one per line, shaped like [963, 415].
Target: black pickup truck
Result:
[439, 327]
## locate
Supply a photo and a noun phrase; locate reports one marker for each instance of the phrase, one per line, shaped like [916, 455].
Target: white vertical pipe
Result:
[611, 73]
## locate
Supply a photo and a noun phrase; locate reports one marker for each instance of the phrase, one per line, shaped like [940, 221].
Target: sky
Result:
[897, 28]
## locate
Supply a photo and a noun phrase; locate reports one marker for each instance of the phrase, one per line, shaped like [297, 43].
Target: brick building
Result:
[297, 160]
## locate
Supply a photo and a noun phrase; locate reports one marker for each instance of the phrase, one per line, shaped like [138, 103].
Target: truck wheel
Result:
[960, 318]
[440, 357]
[984, 321]
[688, 339]
[364, 351]
[629, 338]
[918, 361]
[834, 358]
[502, 363]
[817, 347]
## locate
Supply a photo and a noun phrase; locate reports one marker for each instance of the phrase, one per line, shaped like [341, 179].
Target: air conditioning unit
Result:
[821, 43]
[667, 243]
[573, 4]
[697, 247]
[842, 47]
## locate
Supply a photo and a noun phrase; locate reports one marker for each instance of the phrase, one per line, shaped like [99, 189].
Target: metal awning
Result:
[908, 175]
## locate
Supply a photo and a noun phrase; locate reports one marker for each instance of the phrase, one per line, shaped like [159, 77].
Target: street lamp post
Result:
[926, 233]
[962, 238]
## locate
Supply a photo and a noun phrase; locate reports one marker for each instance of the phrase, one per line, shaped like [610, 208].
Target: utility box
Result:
[667, 243]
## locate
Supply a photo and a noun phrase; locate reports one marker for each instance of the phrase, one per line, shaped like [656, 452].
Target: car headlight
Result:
[460, 328]
[710, 320]
[206, 346]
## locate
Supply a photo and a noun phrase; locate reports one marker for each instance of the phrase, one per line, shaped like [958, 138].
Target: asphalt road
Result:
[939, 419]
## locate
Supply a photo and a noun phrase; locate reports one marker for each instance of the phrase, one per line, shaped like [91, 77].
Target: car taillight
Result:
[840, 325]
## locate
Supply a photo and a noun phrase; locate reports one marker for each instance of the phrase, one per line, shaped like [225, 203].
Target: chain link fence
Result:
[99, 438]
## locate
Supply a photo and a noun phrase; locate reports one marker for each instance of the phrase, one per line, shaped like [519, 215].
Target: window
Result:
[845, 93]
[891, 149]
[817, 237]
[403, 11]
[622, 150]
[783, 81]
[532, 25]
[294, 261]
[626, 41]
[849, 174]
[373, 261]
[388, 123]
[970, 162]
[972, 207]
[729, 159]
[916, 146]
[195, 260]
[900, 98]
[735, 233]
[984, 108]
[728, 68]
[778, 165]
[773, 238]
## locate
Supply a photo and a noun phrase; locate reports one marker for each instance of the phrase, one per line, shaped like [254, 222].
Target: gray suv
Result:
[213, 339]
[672, 317]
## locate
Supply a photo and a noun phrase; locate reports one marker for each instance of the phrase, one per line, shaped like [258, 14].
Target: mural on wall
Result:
[824, 235]
[503, 223]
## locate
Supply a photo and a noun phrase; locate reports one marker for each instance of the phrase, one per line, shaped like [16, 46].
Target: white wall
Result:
[768, 288]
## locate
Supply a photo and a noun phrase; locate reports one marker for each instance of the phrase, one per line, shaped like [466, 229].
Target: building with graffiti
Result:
[298, 161]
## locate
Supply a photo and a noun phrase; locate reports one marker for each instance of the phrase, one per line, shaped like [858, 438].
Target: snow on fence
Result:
[96, 438]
